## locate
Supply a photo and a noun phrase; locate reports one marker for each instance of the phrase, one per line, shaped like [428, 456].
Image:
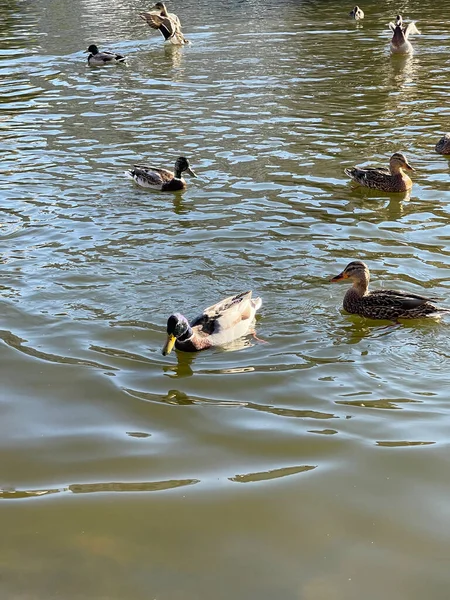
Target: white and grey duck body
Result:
[99, 59]
[162, 179]
[356, 13]
[218, 324]
[393, 179]
[399, 42]
[167, 23]
[382, 304]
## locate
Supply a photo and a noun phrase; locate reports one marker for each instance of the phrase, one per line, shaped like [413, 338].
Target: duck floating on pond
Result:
[162, 179]
[382, 304]
[218, 324]
[393, 179]
[99, 59]
[443, 145]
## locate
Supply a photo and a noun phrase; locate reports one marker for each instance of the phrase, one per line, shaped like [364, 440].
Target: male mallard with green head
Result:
[162, 179]
[218, 324]
[384, 304]
[393, 179]
[399, 41]
[167, 23]
[99, 59]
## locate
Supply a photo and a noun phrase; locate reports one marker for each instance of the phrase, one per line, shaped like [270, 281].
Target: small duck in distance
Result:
[167, 23]
[389, 305]
[443, 145]
[218, 324]
[99, 59]
[356, 13]
[393, 179]
[162, 179]
[399, 41]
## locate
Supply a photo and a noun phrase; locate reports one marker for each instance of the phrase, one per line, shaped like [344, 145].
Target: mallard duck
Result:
[218, 324]
[161, 179]
[168, 24]
[382, 304]
[399, 41]
[356, 13]
[393, 179]
[98, 59]
[443, 145]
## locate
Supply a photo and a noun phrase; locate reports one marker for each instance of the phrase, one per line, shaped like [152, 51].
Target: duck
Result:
[356, 13]
[167, 23]
[393, 179]
[218, 324]
[388, 305]
[443, 145]
[98, 59]
[162, 179]
[399, 41]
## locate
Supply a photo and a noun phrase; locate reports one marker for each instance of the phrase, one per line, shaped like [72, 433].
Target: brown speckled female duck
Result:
[443, 145]
[382, 304]
[393, 179]
[161, 179]
[399, 41]
[167, 23]
[218, 324]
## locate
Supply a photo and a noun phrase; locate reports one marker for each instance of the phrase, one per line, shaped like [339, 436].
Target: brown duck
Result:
[393, 179]
[443, 145]
[382, 304]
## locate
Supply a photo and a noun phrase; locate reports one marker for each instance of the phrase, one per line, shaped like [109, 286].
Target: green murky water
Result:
[312, 467]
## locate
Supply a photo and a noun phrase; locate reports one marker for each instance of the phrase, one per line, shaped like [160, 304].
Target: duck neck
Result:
[177, 172]
[164, 12]
[360, 287]
[399, 37]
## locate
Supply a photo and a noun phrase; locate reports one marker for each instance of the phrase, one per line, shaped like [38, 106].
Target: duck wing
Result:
[410, 29]
[166, 25]
[227, 314]
[396, 299]
[107, 57]
[154, 173]
[369, 177]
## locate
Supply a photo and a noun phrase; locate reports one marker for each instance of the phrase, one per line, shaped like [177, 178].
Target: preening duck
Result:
[382, 304]
[218, 324]
[393, 179]
[162, 179]
[399, 41]
[167, 23]
[356, 13]
[99, 59]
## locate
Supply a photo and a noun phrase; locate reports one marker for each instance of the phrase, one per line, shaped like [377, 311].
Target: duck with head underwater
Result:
[162, 179]
[399, 42]
[393, 179]
[218, 324]
[99, 59]
[389, 305]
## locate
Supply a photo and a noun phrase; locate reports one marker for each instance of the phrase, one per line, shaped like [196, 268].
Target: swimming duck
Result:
[168, 24]
[393, 179]
[356, 13]
[218, 324]
[382, 304]
[443, 145]
[399, 41]
[161, 179]
[98, 59]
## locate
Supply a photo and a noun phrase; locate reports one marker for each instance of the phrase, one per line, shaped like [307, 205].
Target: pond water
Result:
[314, 466]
